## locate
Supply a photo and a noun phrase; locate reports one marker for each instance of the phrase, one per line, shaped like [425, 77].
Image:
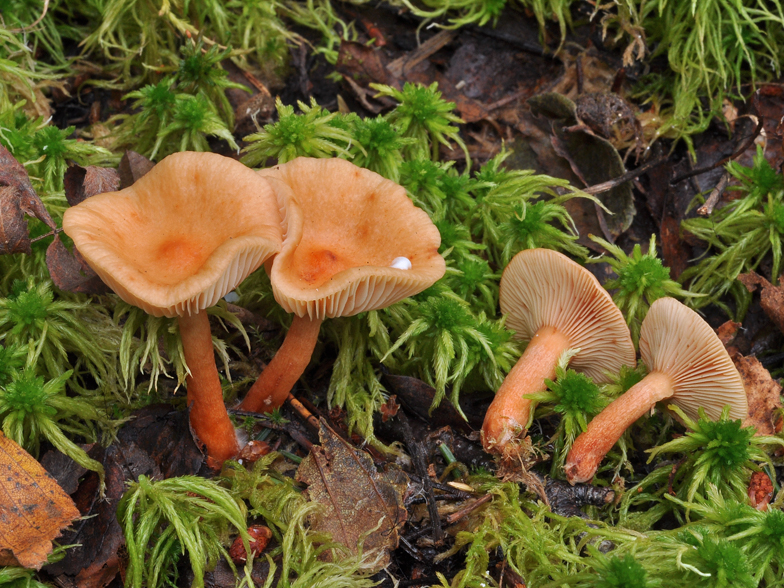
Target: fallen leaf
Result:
[33, 508]
[763, 394]
[82, 182]
[70, 271]
[727, 332]
[156, 443]
[760, 491]
[771, 298]
[593, 159]
[361, 505]
[132, 167]
[17, 198]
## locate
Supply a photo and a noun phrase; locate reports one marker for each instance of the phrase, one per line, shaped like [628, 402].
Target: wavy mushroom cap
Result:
[541, 287]
[344, 227]
[181, 237]
[676, 341]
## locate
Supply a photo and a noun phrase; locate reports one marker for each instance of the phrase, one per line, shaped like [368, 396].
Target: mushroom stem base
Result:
[209, 418]
[276, 381]
[607, 427]
[508, 415]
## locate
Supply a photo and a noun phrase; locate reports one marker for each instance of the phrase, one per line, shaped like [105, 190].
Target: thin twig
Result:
[715, 195]
[45, 235]
[629, 175]
[735, 154]
[465, 511]
[300, 409]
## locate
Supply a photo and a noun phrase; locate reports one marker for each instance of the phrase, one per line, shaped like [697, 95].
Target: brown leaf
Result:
[33, 508]
[727, 332]
[132, 167]
[771, 298]
[360, 504]
[17, 198]
[763, 393]
[70, 272]
[156, 443]
[83, 182]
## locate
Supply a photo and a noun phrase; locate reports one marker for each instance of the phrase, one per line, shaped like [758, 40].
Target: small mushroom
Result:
[556, 305]
[353, 242]
[173, 244]
[687, 364]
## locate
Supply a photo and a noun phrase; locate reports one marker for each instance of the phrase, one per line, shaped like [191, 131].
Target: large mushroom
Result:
[173, 244]
[687, 365]
[353, 242]
[556, 305]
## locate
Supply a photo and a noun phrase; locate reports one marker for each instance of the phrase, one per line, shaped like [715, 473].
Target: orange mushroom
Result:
[556, 305]
[174, 243]
[353, 242]
[687, 364]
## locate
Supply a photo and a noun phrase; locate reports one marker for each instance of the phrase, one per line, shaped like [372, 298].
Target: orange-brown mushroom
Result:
[556, 305]
[687, 364]
[173, 244]
[346, 230]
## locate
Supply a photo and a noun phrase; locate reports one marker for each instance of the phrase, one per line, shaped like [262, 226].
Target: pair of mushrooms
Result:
[187, 233]
[558, 305]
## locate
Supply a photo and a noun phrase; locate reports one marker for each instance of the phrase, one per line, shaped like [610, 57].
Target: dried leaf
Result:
[70, 271]
[33, 508]
[727, 332]
[132, 167]
[771, 298]
[17, 198]
[82, 182]
[361, 505]
[593, 159]
[763, 393]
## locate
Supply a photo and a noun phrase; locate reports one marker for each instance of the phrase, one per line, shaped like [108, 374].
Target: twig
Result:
[465, 511]
[417, 451]
[300, 409]
[715, 195]
[735, 154]
[402, 65]
[629, 175]
[45, 235]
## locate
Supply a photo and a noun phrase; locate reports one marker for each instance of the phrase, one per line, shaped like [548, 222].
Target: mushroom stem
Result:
[603, 431]
[209, 418]
[280, 375]
[509, 412]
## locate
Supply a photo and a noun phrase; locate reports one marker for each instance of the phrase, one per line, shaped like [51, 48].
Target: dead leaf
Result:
[17, 198]
[82, 182]
[727, 332]
[771, 298]
[763, 394]
[33, 508]
[361, 505]
[156, 443]
[362, 64]
[132, 167]
[70, 271]
[593, 159]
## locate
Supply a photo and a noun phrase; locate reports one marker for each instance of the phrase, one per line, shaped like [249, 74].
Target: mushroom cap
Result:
[343, 228]
[182, 236]
[676, 341]
[541, 287]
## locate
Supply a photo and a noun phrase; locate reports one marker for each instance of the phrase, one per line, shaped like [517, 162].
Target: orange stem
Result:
[508, 415]
[604, 431]
[209, 418]
[280, 375]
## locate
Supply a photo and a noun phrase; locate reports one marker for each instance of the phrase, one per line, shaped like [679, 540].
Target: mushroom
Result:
[687, 363]
[173, 244]
[353, 242]
[556, 305]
